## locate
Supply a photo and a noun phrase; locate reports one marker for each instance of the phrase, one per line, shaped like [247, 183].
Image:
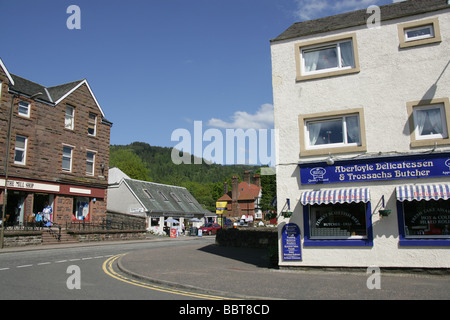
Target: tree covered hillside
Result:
[205, 181]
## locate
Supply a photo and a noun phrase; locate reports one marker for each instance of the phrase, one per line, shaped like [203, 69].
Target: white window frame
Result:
[427, 36]
[70, 158]
[90, 162]
[70, 118]
[94, 122]
[441, 108]
[345, 142]
[28, 107]
[23, 150]
[320, 47]
[431, 23]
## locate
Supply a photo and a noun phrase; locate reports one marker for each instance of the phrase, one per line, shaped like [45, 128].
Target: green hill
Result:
[205, 181]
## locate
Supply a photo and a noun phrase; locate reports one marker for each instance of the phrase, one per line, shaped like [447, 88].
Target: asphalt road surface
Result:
[78, 273]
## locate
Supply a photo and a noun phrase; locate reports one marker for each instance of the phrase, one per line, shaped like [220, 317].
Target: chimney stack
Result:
[247, 177]
[235, 196]
[257, 180]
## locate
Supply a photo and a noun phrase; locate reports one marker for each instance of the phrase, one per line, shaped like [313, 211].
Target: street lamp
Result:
[8, 141]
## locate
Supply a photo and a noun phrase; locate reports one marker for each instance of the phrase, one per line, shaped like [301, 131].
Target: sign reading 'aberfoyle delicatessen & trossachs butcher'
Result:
[375, 169]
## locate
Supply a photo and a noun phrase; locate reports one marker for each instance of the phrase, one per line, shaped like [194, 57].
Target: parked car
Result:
[210, 228]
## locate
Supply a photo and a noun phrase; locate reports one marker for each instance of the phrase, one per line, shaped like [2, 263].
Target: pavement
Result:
[244, 273]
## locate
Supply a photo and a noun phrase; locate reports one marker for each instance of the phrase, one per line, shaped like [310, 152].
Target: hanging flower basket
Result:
[286, 214]
[270, 216]
[385, 213]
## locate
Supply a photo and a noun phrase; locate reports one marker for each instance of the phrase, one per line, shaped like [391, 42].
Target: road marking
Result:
[59, 261]
[108, 269]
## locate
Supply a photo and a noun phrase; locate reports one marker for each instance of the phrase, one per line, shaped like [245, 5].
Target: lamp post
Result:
[8, 141]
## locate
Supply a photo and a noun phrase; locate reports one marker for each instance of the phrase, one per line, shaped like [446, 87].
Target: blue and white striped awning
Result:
[423, 192]
[336, 196]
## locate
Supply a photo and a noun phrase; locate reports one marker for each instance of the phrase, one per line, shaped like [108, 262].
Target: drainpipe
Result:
[8, 142]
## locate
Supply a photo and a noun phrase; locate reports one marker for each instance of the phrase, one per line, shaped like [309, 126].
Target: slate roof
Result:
[359, 18]
[174, 200]
[49, 95]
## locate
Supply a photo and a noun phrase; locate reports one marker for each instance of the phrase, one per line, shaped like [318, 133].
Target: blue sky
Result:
[159, 65]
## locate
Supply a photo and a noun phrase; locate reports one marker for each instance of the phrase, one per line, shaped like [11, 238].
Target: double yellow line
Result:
[108, 269]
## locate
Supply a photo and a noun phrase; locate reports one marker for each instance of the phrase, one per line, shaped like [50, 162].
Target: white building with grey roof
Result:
[154, 201]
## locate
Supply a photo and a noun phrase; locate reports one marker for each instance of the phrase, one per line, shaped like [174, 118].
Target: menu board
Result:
[291, 243]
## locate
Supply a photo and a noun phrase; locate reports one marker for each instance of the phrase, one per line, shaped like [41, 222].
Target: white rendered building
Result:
[363, 152]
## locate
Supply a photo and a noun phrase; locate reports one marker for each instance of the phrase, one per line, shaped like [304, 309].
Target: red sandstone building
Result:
[58, 150]
[244, 198]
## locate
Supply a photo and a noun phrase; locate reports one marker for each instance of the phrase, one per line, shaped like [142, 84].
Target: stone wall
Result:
[110, 235]
[21, 239]
[247, 237]
[125, 219]
[251, 238]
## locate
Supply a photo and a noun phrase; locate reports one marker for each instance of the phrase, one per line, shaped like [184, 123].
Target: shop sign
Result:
[27, 185]
[377, 169]
[221, 207]
[291, 243]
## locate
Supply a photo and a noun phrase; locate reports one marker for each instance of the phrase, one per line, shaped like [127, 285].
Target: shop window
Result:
[338, 221]
[81, 208]
[154, 222]
[335, 56]
[337, 218]
[424, 222]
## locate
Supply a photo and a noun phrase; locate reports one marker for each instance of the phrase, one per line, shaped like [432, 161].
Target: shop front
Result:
[377, 211]
[34, 201]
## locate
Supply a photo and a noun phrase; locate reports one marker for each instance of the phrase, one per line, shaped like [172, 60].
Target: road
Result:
[80, 273]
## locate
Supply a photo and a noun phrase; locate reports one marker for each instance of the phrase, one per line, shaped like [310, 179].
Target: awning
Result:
[423, 192]
[336, 196]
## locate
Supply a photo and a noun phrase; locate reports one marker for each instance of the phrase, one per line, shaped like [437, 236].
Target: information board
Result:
[291, 242]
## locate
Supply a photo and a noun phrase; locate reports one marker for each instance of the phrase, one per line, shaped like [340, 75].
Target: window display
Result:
[338, 221]
[427, 219]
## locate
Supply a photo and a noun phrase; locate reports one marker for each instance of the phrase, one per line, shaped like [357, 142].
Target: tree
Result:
[130, 163]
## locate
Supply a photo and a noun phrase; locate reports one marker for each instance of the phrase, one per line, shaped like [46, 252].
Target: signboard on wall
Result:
[377, 169]
[290, 236]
